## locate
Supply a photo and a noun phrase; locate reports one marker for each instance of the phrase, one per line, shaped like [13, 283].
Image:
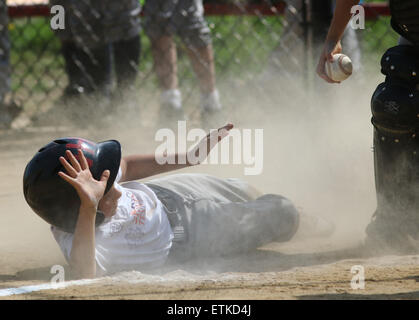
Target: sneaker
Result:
[210, 102]
[171, 99]
[171, 110]
[9, 111]
[72, 91]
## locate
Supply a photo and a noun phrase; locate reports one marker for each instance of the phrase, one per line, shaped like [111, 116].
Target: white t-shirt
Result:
[138, 236]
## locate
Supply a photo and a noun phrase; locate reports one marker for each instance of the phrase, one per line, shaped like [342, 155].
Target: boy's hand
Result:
[201, 151]
[330, 48]
[79, 176]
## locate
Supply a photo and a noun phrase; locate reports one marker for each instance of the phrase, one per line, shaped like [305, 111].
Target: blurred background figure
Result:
[100, 37]
[8, 108]
[184, 18]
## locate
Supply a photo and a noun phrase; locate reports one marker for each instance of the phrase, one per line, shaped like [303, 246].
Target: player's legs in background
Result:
[98, 62]
[157, 18]
[88, 93]
[202, 60]
[165, 63]
[76, 85]
[8, 108]
[88, 69]
[196, 35]
[4, 51]
[126, 55]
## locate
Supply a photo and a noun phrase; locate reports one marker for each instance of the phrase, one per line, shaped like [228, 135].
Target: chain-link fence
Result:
[239, 44]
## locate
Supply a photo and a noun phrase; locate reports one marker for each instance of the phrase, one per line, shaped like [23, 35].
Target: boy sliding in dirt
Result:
[104, 222]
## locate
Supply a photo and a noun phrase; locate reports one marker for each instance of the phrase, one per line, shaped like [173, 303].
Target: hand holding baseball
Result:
[330, 49]
[340, 68]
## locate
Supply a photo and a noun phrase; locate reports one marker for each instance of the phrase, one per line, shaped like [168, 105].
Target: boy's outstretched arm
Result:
[82, 257]
[332, 45]
[138, 166]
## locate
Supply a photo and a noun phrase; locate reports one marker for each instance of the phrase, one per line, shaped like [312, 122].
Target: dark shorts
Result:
[184, 18]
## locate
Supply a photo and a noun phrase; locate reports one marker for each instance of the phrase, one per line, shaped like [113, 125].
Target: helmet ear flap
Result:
[109, 158]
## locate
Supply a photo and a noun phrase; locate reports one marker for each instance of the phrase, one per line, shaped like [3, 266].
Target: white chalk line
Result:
[130, 277]
[45, 286]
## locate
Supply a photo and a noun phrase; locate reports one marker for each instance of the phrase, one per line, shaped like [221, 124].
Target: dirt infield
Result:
[387, 277]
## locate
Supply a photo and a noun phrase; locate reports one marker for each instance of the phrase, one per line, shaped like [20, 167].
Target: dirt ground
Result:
[317, 154]
[283, 276]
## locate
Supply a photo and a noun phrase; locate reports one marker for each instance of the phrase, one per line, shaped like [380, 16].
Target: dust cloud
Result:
[317, 152]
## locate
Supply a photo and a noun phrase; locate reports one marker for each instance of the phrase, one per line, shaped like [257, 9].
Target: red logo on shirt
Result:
[137, 210]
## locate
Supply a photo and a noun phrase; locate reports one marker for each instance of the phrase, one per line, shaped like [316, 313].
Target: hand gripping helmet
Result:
[54, 199]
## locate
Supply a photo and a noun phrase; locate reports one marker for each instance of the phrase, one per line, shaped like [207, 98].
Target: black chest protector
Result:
[405, 18]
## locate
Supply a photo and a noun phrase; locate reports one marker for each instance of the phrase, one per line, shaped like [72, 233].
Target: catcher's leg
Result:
[395, 109]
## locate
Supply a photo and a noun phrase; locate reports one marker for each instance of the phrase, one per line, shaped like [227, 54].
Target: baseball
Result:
[340, 69]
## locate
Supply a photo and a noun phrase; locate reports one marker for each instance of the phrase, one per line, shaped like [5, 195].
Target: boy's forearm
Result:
[340, 19]
[143, 166]
[82, 256]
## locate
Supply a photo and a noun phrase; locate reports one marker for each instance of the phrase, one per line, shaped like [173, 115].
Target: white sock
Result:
[211, 101]
[171, 98]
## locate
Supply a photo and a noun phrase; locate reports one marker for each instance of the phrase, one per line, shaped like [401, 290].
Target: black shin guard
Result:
[396, 162]
[395, 109]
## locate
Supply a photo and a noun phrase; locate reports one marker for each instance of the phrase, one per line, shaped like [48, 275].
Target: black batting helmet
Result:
[52, 198]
